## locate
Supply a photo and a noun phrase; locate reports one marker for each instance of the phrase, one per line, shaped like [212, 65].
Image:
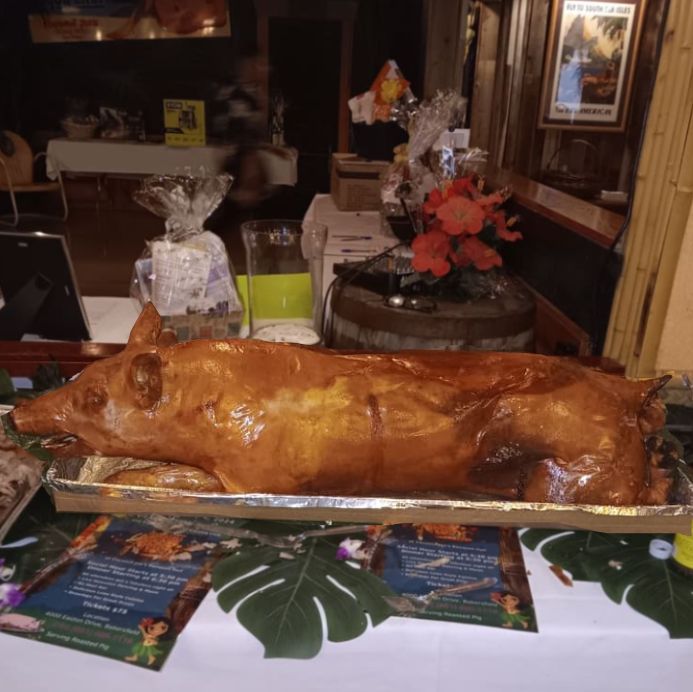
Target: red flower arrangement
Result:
[463, 228]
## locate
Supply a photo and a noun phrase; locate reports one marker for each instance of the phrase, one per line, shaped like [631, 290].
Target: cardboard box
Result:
[356, 182]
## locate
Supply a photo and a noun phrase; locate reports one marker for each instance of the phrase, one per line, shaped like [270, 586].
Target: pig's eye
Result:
[145, 375]
[95, 398]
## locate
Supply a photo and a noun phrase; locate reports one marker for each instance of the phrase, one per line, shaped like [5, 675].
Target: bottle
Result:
[683, 554]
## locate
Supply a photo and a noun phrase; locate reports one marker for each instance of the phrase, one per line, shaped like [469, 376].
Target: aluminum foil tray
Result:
[65, 481]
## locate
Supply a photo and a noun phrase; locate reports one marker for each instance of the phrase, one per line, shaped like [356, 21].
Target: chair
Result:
[17, 174]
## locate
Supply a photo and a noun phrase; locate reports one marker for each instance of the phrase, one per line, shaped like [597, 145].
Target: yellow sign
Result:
[184, 123]
[683, 550]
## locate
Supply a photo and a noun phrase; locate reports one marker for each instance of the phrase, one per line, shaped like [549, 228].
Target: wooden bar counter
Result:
[588, 220]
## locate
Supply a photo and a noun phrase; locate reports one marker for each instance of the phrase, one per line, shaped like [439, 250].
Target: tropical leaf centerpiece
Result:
[34, 444]
[281, 576]
[627, 572]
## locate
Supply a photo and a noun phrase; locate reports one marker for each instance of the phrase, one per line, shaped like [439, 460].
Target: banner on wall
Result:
[70, 21]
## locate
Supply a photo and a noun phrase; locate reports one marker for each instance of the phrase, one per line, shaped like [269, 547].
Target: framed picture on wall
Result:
[589, 66]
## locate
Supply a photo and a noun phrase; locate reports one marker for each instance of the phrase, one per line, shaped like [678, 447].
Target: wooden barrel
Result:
[361, 319]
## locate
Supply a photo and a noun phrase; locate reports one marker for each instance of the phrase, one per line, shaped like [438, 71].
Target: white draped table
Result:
[119, 157]
[586, 643]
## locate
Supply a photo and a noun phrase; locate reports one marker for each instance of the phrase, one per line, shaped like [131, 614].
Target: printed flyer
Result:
[450, 572]
[124, 588]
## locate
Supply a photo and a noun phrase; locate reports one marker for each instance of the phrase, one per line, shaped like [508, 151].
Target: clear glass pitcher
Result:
[284, 267]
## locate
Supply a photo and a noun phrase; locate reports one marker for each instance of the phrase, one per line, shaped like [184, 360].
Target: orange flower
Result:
[474, 251]
[498, 218]
[495, 198]
[491, 200]
[461, 215]
[465, 187]
[459, 258]
[433, 201]
[434, 225]
[431, 250]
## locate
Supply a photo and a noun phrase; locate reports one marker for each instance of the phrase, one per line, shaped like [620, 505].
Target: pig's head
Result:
[106, 396]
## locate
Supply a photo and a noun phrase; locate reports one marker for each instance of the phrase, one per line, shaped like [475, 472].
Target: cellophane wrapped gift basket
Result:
[186, 272]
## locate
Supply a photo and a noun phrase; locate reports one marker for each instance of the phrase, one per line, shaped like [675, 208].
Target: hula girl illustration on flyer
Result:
[511, 606]
[147, 650]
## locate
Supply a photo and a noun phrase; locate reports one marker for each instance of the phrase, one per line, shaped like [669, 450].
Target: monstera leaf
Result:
[53, 530]
[282, 590]
[6, 387]
[626, 570]
[30, 443]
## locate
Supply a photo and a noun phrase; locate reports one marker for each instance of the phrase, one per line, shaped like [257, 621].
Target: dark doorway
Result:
[305, 59]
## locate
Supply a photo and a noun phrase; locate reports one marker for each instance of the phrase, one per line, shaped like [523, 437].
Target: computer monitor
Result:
[39, 289]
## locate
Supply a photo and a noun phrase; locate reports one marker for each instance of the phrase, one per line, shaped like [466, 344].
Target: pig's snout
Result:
[41, 416]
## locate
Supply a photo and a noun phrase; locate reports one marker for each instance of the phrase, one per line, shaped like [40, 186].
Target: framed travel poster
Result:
[590, 63]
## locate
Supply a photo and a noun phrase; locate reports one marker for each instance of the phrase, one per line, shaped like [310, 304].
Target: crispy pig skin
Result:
[277, 418]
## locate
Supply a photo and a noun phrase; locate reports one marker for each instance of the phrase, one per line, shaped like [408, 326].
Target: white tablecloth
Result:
[115, 157]
[586, 644]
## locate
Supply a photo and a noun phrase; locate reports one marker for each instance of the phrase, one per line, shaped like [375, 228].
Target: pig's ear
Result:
[145, 377]
[167, 338]
[147, 328]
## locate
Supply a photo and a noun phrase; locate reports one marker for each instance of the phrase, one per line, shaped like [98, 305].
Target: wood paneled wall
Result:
[445, 44]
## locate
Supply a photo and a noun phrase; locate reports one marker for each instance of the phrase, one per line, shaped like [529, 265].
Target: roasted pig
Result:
[277, 418]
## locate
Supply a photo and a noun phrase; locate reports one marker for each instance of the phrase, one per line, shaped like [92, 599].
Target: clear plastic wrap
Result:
[418, 167]
[448, 164]
[186, 273]
[431, 119]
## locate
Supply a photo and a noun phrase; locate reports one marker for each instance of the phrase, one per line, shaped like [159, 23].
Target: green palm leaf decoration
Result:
[282, 590]
[7, 391]
[30, 443]
[54, 531]
[626, 570]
